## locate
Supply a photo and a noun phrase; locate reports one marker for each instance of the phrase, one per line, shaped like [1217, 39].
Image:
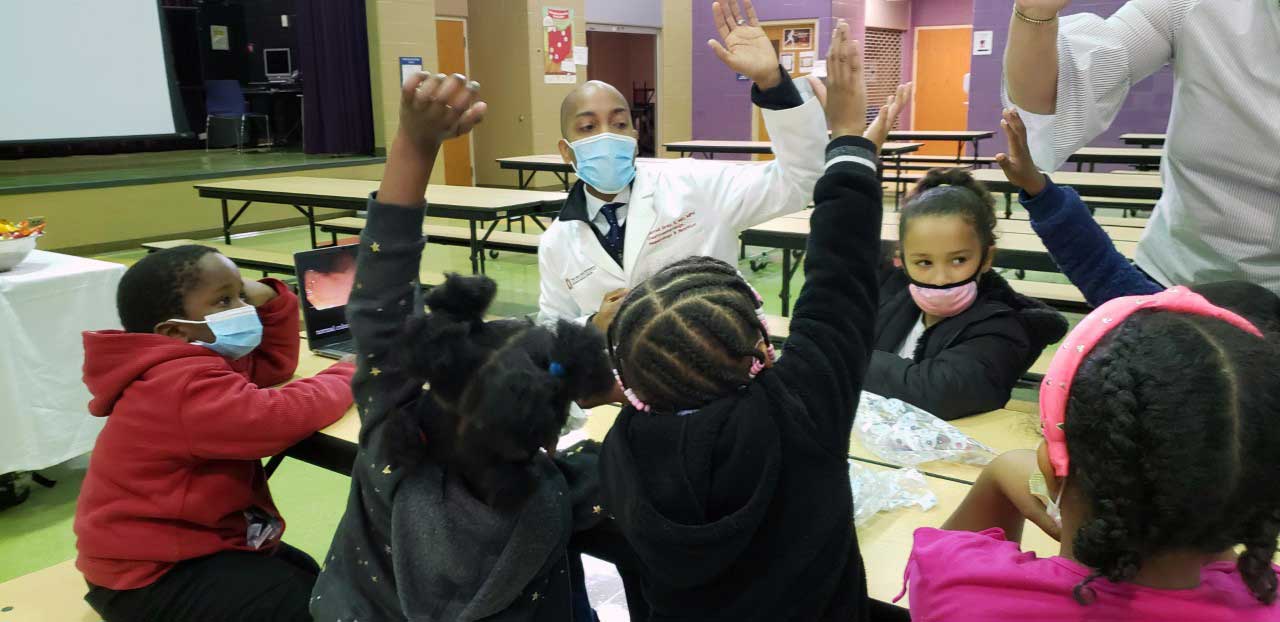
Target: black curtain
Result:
[333, 51]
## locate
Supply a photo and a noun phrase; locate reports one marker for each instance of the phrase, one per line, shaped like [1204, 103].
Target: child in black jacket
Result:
[455, 512]
[952, 337]
[727, 473]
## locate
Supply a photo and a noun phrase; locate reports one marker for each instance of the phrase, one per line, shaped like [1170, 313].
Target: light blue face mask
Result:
[236, 331]
[606, 162]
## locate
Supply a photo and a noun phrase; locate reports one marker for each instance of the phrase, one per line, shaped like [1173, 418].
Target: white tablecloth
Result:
[45, 302]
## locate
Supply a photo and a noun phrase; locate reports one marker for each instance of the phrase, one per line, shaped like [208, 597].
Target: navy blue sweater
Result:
[1082, 250]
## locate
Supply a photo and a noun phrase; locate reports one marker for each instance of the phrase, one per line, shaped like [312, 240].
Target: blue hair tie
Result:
[556, 369]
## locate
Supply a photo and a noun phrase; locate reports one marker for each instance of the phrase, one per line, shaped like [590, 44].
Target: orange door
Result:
[451, 48]
[942, 60]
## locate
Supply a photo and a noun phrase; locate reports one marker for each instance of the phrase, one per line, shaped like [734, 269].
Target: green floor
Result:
[34, 174]
[38, 533]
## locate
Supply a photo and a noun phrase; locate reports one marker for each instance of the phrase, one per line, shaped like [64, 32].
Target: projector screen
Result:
[83, 69]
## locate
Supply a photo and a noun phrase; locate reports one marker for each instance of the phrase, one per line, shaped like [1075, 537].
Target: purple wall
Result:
[1146, 110]
[721, 102]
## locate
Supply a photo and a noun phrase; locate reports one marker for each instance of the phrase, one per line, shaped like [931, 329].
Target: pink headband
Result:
[1090, 330]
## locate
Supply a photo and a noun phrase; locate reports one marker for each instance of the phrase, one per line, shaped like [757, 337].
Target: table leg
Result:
[564, 180]
[475, 248]
[226, 223]
[333, 235]
[311, 225]
[273, 464]
[1079, 166]
[1093, 166]
[785, 294]
[524, 183]
[976, 142]
[959, 152]
[791, 262]
[489, 232]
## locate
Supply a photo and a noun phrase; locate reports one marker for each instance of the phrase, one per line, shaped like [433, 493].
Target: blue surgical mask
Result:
[606, 162]
[236, 331]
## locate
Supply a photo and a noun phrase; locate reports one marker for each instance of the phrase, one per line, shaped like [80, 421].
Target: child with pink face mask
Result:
[952, 337]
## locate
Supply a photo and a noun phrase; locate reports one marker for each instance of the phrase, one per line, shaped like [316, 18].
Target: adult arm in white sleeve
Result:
[1098, 60]
[745, 195]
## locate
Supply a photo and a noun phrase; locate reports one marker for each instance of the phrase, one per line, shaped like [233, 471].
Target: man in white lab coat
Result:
[622, 222]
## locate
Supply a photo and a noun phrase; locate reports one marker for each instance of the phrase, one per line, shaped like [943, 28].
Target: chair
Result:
[224, 100]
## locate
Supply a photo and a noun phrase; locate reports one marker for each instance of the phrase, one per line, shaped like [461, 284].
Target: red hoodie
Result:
[179, 460]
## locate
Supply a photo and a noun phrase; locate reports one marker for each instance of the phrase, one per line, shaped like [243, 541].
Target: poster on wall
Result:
[982, 42]
[219, 39]
[558, 67]
[806, 62]
[797, 39]
[788, 61]
[409, 66]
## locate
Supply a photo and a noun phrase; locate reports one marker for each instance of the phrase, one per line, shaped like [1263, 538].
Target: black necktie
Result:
[613, 239]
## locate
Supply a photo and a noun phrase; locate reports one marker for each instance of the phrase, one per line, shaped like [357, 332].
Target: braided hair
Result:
[1172, 433]
[688, 335]
[952, 192]
[499, 390]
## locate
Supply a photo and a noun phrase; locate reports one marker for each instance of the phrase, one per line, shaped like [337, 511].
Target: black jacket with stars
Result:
[413, 544]
[742, 510]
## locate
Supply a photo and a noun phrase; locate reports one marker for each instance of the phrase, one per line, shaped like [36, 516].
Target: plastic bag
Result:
[878, 490]
[900, 433]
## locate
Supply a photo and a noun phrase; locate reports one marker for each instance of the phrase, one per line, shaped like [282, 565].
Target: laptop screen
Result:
[325, 279]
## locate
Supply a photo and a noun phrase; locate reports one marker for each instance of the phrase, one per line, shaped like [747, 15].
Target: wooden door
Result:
[793, 49]
[942, 56]
[451, 48]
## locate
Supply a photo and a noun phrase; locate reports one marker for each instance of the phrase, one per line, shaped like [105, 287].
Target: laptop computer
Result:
[325, 278]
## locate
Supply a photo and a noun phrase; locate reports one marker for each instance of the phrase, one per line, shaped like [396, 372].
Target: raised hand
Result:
[435, 108]
[1017, 164]
[1041, 9]
[878, 131]
[846, 89]
[746, 49]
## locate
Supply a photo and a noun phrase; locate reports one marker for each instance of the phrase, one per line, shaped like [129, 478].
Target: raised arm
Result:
[276, 358]
[744, 196]
[1031, 57]
[1078, 244]
[826, 356]
[1080, 72]
[387, 292]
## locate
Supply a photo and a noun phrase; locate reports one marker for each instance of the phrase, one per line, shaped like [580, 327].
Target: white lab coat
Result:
[683, 208]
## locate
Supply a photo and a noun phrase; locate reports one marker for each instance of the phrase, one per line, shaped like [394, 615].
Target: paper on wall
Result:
[558, 55]
[409, 65]
[219, 39]
[579, 55]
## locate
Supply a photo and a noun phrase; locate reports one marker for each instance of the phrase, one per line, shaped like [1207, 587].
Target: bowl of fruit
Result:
[17, 240]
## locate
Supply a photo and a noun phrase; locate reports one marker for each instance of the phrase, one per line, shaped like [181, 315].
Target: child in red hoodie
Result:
[175, 521]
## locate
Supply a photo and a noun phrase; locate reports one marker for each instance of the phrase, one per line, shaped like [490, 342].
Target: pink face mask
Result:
[946, 301]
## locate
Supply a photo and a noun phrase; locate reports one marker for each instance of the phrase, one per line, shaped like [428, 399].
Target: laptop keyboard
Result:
[336, 350]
